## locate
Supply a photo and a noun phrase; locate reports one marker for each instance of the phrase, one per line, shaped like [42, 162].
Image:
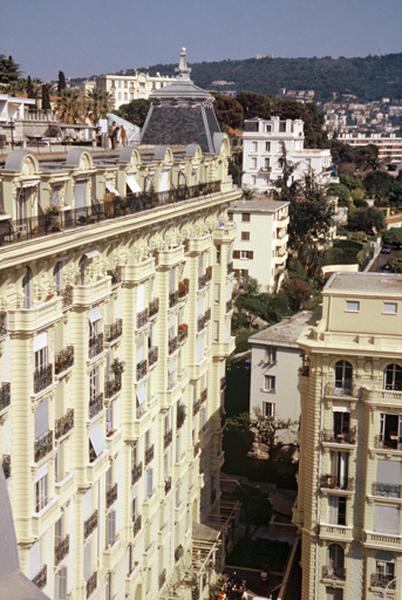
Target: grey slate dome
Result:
[181, 113]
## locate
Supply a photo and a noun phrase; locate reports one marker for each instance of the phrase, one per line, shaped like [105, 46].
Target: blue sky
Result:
[82, 37]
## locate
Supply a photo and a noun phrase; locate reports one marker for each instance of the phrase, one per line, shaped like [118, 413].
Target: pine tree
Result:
[61, 83]
[45, 97]
[29, 88]
[9, 73]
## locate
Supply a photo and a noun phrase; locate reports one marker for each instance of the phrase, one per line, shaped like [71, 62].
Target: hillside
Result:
[369, 78]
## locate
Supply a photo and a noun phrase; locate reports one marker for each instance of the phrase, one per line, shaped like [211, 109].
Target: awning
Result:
[28, 184]
[94, 314]
[41, 472]
[5, 217]
[40, 341]
[91, 254]
[109, 186]
[97, 438]
[141, 393]
[342, 409]
[132, 184]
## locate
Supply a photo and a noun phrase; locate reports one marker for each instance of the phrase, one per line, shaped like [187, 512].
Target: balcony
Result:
[137, 525]
[136, 473]
[111, 495]
[153, 307]
[40, 580]
[184, 288]
[349, 437]
[229, 305]
[173, 298]
[387, 490]
[43, 377]
[61, 550]
[5, 396]
[200, 323]
[332, 482]
[3, 323]
[202, 281]
[64, 360]
[167, 438]
[95, 345]
[182, 332]
[112, 387]
[64, 424]
[207, 316]
[383, 541]
[92, 583]
[149, 454]
[142, 369]
[43, 445]
[336, 533]
[347, 391]
[153, 356]
[95, 405]
[334, 572]
[173, 345]
[388, 442]
[142, 318]
[115, 274]
[114, 330]
[67, 296]
[90, 524]
[168, 485]
[381, 580]
[196, 407]
[204, 395]
[208, 274]
[162, 579]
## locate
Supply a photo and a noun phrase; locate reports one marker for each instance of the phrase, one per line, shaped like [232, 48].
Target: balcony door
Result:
[340, 468]
[343, 377]
[393, 377]
[391, 431]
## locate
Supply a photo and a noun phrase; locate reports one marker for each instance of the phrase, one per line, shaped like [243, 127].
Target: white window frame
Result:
[271, 386]
[352, 306]
[390, 308]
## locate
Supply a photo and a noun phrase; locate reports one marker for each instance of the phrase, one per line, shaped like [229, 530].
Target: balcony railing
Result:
[64, 424]
[142, 369]
[200, 323]
[43, 445]
[154, 307]
[349, 437]
[33, 227]
[381, 580]
[387, 490]
[112, 387]
[43, 377]
[114, 330]
[333, 482]
[3, 323]
[196, 407]
[347, 390]
[204, 395]
[67, 296]
[40, 580]
[137, 525]
[202, 281]
[111, 495]
[184, 288]
[208, 273]
[162, 579]
[4, 395]
[173, 298]
[168, 485]
[167, 438]
[388, 442]
[91, 524]
[173, 344]
[149, 454]
[95, 405]
[329, 572]
[64, 360]
[95, 345]
[142, 318]
[136, 473]
[6, 463]
[153, 356]
[62, 549]
[92, 583]
[182, 332]
[207, 316]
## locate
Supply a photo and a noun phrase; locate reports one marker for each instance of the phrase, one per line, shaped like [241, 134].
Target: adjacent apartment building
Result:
[125, 88]
[114, 329]
[264, 143]
[260, 248]
[350, 477]
[389, 146]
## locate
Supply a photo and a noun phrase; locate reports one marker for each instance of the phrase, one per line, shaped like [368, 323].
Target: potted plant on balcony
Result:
[117, 368]
[52, 219]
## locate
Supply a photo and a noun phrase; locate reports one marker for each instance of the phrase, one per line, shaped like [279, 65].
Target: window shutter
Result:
[386, 519]
[250, 254]
[236, 253]
[140, 297]
[41, 418]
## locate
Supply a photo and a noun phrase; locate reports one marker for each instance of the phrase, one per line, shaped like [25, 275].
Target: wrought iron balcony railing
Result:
[91, 524]
[95, 345]
[136, 473]
[347, 437]
[92, 583]
[334, 482]
[62, 549]
[142, 369]
[6, 463]
[173, 344]
[137, 525]
[142, 318]
[153, 355]
[173, 298]
[208, 273]
[387, 490]
[95, 405]
[40, 580]
[114, 330]
[112, 387]
[334, 572]
[154, 307]
[64, 424]
[111, 495]
[168, 485]
[5, 396]
[64, 360]
[162, 579]
[167, 438]
[184, 288]
[149, 454]
[182, 332]
[43, 445]
[43, 377]
[382, 580]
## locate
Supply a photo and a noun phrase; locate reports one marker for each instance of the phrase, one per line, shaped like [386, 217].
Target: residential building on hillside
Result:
[276, 360]
[349, 503]
[114, 331]
[125, 88]
[389, 146]
[260, 248]
[264, 142]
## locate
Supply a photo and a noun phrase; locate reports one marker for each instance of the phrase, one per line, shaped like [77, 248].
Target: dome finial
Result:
[183, 69]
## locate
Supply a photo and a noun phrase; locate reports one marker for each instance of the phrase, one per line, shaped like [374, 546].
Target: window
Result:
[269, 383]
[336, 561]
[282, 126]
[58, 276]
[391, 431]
[340, 469]
[41, 498]
[246, 254]
[343, 377]
[334, 593]
[390, 308]
[93, 384]
[270, 355]
[267, 146]
[387, 519]
[253, 163]
[60, 584]
[110, 528]
[393, 377]
[352, 306]
[27, 288]
[245, 235]
[337, 510]
[268, 129]
[341, 422]
[245, 217]
[254, 146]
[149, 482]
[266, 163]
[268, 409]
[384, 569]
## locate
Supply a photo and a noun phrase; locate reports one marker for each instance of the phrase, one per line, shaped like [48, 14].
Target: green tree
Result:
[61, 83]
[298, 292]
[135, 112]
[378, 184]
[393, 237]
[98, 104]
[341, 191]
[46, 97]
[370, 220]
[268, 429]
[229, 111]
[29, 88]
[70, 108]
[9, 73]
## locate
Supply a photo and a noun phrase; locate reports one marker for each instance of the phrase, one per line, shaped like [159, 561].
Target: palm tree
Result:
[69, 107]
[99, 103]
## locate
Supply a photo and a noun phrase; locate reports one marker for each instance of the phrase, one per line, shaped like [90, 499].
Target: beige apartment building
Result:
[114, 332]
[349, 504]
[125, 88]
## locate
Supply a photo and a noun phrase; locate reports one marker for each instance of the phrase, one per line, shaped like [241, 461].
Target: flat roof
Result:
[284, 333]
[261, 203]
[380, 284]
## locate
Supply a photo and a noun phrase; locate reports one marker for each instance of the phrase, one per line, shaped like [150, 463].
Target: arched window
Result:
[336, 561]
[27, 288]
[343, 376]
[393, 377]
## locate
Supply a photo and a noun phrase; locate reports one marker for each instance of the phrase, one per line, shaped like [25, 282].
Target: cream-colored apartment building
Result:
[125, 88]
[349, 504]
[114, 332]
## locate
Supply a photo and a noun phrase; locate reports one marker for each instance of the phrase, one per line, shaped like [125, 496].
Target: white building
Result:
[263, 145]
[389, 146]
[125, 88]
[275, 362]
[260, 248]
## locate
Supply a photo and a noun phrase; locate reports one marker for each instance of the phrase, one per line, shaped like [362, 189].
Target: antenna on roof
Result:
[183, 69]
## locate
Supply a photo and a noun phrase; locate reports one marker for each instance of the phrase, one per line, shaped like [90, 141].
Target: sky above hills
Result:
[84, 37]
